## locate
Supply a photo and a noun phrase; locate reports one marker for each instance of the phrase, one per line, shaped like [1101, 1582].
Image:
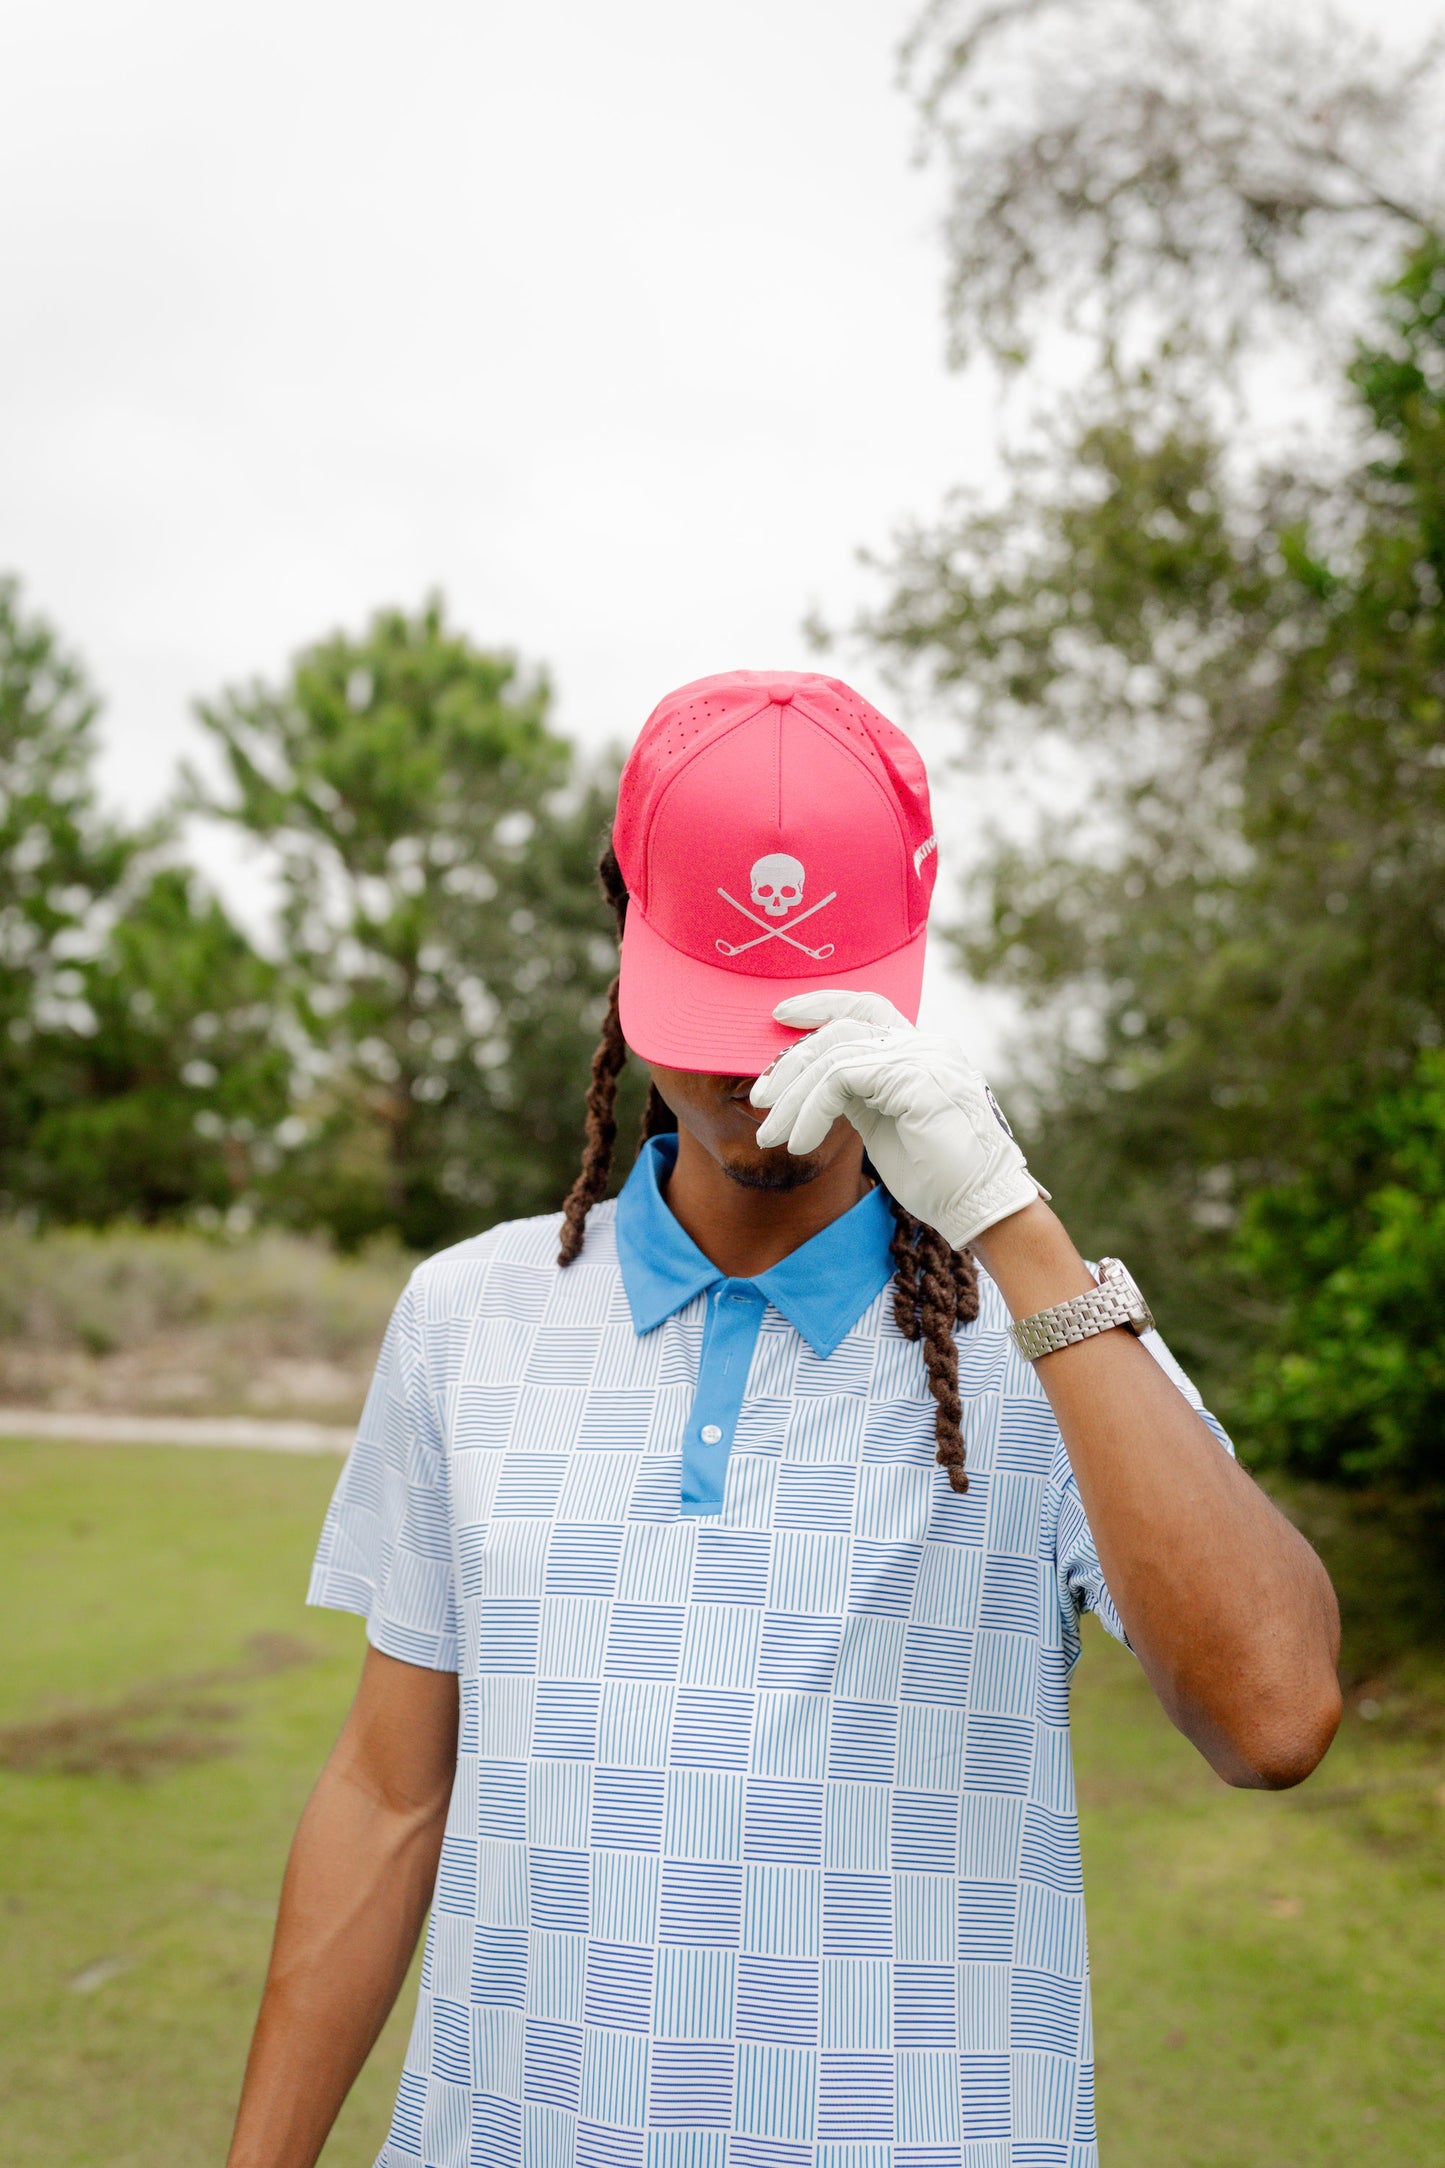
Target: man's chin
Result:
[780, 1169]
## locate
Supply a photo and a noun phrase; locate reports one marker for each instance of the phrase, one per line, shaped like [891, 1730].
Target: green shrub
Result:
[103, 1290]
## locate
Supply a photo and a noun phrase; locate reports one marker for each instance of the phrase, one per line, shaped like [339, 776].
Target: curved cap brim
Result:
[683, 1014]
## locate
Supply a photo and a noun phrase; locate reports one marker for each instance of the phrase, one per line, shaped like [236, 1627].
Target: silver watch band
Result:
[1115, 1301]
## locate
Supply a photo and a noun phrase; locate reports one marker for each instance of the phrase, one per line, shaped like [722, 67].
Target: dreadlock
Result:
[935, 1286]
[607, 1062]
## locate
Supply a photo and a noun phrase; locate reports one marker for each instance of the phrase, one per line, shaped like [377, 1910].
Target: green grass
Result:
[1267, 1978]
[1268, 1984]
[120, 1569]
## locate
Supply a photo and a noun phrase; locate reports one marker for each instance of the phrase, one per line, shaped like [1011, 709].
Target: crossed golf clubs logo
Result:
[776, 897]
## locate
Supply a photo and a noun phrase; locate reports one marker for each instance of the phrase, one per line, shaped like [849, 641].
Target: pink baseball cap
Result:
[774, 833]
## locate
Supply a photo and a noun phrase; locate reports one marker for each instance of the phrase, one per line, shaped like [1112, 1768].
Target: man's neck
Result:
[744, 1231]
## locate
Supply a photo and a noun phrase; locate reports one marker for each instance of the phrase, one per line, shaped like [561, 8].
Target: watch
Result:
[1115, 1301]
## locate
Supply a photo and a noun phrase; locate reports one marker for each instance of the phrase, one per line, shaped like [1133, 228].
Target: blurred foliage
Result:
[139, 1064]
[416, 1059]
[447, 950]
[1381, 1545]
[1196, 174]
[1353, 1380]
[176, 1081]
[1228, 682]
[60, 858]
[121, 1287]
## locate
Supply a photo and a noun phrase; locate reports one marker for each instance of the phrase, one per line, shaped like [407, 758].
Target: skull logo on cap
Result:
[777, 883]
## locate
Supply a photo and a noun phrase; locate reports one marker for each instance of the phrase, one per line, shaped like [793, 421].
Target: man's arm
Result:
[1225, 1604]
[357, 1887]
[1231, 1613]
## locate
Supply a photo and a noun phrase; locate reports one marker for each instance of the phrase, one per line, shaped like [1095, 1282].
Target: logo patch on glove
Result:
[998, 1113]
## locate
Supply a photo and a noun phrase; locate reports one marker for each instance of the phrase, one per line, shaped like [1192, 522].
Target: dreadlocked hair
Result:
[935, 1286]
[607, 1064]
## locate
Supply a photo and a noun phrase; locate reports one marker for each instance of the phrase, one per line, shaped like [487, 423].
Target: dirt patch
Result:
[153, 1728]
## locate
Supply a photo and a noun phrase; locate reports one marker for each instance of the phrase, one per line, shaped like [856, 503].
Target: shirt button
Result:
[711, 1435]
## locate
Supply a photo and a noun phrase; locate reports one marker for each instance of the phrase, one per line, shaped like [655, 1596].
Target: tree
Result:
[1221, 678]
[61, 866]
[1198, 174]
[175, 1082]
[1246, 906]
[1353, 1380]
[61, 861]
[447, 947]
[140, 1071]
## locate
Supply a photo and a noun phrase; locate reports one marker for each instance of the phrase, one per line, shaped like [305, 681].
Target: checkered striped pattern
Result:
[763, 1849]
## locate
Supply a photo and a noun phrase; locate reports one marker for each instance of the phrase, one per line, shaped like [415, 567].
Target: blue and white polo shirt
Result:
[763, 1849]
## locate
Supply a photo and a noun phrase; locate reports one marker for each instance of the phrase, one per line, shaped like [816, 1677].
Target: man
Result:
[723, 1572]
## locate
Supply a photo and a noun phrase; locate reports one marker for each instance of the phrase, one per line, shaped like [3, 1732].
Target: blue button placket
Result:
[734, 1313]
[821, 1289]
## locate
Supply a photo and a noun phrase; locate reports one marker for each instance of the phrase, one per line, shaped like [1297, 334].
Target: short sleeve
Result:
[386, 1550]
[1082, 1586]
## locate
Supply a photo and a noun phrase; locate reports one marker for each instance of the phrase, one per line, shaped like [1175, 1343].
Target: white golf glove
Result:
[930, 1124]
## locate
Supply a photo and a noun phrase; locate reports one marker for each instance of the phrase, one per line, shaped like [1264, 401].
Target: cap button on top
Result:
[780, 695]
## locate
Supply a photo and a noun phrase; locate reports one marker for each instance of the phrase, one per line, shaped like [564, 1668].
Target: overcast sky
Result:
[619, 324]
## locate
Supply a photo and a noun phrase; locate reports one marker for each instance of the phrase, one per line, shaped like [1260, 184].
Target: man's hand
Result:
[932, 1127]
[357, 1888]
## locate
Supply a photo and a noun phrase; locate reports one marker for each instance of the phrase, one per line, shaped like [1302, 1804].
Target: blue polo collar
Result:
[822, 1289]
